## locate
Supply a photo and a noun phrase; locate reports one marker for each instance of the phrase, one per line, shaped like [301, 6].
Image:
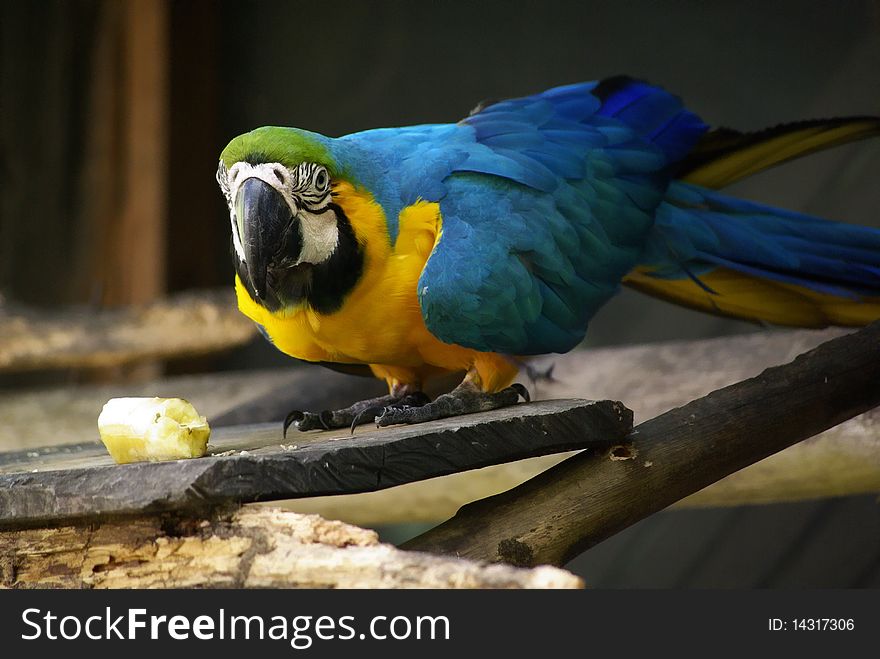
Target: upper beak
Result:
[263, 217]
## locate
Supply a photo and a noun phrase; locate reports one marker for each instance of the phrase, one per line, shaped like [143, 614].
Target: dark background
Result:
[72, 155]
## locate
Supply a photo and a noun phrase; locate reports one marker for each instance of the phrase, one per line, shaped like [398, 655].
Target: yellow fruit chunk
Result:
[152, 429]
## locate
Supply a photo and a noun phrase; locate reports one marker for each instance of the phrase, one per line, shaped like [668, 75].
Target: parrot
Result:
[469, 247]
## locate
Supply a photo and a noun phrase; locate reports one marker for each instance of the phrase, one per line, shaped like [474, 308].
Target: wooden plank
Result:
[650, 379]
[589, 497]
[253, 548]
[81, 482]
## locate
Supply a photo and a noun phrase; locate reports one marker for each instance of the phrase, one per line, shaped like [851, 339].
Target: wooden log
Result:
[184, 325]
[254, 463]
[587, 498]
[253, 548]
[652, 378]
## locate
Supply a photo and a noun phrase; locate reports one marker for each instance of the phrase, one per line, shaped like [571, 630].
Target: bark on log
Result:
[254, 548]
[184, 325]
[587, 498]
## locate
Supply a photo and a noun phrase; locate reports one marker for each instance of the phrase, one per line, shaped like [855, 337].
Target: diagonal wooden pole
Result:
[589, 497]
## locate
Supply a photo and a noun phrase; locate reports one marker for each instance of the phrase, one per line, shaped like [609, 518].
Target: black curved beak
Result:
[264, 218]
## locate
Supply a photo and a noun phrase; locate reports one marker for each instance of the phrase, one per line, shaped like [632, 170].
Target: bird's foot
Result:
[464, 399]
[350, 416]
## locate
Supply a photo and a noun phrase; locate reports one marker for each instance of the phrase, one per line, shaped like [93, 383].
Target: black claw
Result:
[522, 391]
[365, 413]
[290, 419]
[375, 407]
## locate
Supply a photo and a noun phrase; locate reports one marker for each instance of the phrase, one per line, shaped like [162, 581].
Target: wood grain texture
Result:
[254, 463]
[585, 499]
[253, 548]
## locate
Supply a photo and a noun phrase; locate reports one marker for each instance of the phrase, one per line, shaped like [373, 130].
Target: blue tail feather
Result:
[762, 241]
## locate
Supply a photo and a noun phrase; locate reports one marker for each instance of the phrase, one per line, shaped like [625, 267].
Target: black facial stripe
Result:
[319, 211]
[335, 278]
[323, 287]
[305, 176]
[314, 199]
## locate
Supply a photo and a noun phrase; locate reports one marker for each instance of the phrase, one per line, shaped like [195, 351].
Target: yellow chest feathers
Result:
[380, 321]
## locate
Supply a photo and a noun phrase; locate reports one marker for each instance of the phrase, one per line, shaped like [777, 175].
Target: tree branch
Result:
[587, 498]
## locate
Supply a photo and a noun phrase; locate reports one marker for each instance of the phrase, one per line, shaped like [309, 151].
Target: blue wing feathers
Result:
[653, 113]
[562, 186]
[548, 201]
[620, 92]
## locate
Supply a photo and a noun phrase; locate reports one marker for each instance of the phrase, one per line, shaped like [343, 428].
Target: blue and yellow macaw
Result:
[468, 247]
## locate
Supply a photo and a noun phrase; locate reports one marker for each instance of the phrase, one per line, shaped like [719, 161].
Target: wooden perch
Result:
[254, 548]
[184, 325]
[587, 498]
[252, 463]
[651, 378]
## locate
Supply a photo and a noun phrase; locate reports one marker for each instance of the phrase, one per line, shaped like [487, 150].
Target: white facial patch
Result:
[223, 181]
[320, 236]
[304, 198]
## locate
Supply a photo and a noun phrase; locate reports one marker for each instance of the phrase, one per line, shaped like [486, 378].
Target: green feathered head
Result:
[292, 243]
[276, 144]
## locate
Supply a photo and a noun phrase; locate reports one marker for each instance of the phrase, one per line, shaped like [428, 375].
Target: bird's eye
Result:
[321, 179]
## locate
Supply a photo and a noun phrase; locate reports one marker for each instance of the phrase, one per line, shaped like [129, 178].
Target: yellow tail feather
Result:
[724, 156]
[757, 299]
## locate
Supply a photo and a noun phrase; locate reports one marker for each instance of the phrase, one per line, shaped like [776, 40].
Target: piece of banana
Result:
[152, 429]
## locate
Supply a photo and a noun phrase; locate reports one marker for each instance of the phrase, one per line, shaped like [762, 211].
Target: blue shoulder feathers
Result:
[546, 209]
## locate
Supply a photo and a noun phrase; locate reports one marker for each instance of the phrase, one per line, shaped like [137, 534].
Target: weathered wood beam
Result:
[254, 463]
[253, 548]
[183, 325]
[835, 463]
[587, 498]
[652, 378]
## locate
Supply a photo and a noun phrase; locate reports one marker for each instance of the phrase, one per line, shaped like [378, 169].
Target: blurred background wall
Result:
[113, 114]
